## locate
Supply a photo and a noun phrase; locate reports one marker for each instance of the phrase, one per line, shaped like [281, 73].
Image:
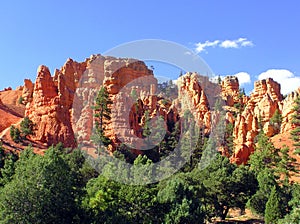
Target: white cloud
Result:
[247, 43]
[288, 81]
[238, 43]
[241, 42]
[243, 78]
[201, 46]
[229, 44]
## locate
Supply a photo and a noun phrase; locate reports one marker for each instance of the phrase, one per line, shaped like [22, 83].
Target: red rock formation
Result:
[27, 91]
[60, 105]
[10, 99]
[120, 77]
[192, 97]
[263, 103]
[287, 111]
[51, 104]
[230, 90]
[6, 117]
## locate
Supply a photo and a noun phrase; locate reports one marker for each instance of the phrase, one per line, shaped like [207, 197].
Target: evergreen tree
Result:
[8, 170]
[274, 210]
[20, 100]
[228, 138]
[296, 122]
[294, 215]
[226, 186]
[101, 201]
[27, 127]
[41, 190]
[146, 128]
[266, 180]
[265, 154]
[139, 203]
[15, 134]
[276, 121]
[219, 80]
[179, 198]
[2, 156]
[199, 148]
[108, 201]
[102, 115]
[286, 166]
[241, 92]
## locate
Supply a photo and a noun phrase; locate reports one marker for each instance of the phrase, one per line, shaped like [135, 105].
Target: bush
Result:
[27, 127]
[15, 134]
[20, 100]
[276, 120]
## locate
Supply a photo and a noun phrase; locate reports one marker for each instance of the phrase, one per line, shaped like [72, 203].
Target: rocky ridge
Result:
[60, 105]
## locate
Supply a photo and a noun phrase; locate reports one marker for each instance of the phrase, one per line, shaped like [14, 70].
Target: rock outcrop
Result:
[61, 105]
[51, 102]
[27, 91]
[201, 97]
[121, 78]
[11, 101]
[230, 90]
[192, 96]
[7, 118]
[287, 111]
[264, 101]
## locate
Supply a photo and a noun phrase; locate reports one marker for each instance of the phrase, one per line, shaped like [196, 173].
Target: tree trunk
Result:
[225, 212]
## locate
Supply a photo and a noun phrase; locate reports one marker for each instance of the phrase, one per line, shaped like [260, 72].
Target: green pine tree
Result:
[286, 166]
[41, 190]
[265, 154]
[15, 134]
[276, 121]
[102, 115]
[27, 127]
[219, 80]
[2, 156]
[296, 122]
[266, 181]
[294, 203]
[274, 210]
[226, 186]
[8, 170]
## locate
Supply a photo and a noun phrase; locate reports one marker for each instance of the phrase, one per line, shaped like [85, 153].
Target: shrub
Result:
[26, 127]
[15, 134]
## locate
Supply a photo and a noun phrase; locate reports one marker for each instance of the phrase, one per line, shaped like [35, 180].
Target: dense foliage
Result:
[62, 187]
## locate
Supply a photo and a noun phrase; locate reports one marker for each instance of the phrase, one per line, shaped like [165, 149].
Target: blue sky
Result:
[49, 32]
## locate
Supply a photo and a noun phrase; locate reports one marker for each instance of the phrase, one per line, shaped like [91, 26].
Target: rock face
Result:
[192, 96]
[230, 90]
[125, 80]
[27, 91]
[9, 117]
[264, 101]
[61, 105]
[287, 111]
[51, 102]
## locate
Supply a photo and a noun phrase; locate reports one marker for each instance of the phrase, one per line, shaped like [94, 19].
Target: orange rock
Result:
[287, 111]
[241, 154]
[230, 118]
[60, 105]
[191, 96]
[9, 118]
[51, 102]
[27, 91]
[264, 101]
[230, 90]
